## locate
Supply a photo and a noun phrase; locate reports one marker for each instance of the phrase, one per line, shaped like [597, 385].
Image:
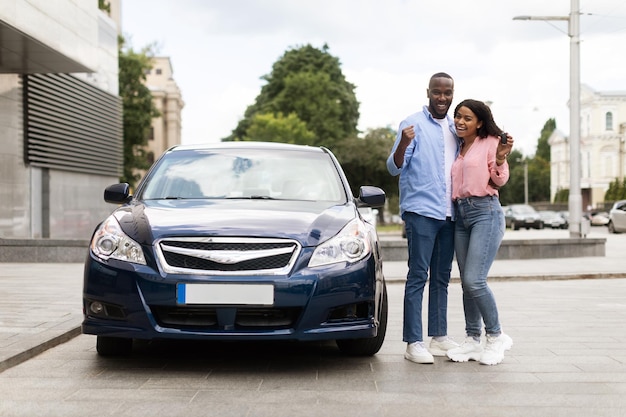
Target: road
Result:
[568, 360]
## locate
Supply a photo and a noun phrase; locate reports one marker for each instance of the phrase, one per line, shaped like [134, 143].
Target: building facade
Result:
[166, 96]
[60, 117]
[602, 134]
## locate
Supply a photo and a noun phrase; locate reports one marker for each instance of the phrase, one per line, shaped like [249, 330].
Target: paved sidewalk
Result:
[568, 360]
[40, 307]
[41, 304]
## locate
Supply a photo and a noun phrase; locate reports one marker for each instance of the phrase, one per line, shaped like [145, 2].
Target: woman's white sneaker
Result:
[470, 350]
[495, 348]
[442, 346]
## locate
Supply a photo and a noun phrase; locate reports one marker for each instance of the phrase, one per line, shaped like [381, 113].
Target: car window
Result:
[225, 173]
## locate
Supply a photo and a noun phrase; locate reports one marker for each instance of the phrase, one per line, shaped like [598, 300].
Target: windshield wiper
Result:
[252, 197]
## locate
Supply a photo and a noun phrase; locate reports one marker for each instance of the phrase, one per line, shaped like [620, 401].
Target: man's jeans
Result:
[479, 230]
[431, 247]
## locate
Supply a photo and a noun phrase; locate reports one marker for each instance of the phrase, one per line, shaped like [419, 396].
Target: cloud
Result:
[219, 51]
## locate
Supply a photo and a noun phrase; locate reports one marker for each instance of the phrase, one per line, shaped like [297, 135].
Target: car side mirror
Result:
[117, 193]
[370, 196]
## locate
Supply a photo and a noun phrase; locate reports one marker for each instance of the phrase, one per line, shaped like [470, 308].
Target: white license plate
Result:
[257, 294]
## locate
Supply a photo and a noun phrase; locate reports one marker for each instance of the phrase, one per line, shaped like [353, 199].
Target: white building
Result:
[602, 133]
[167, 98]
[60, 117]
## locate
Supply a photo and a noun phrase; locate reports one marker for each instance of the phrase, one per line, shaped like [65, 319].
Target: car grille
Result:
[207, 318]
[227, 256]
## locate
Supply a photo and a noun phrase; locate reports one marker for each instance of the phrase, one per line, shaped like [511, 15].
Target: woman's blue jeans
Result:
[478, 233]
[431, 247]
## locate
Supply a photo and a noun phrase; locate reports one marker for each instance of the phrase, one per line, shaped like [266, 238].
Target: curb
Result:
[40, 348]
[544, 277]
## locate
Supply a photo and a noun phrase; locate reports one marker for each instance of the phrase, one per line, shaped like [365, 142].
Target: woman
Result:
[477, 173]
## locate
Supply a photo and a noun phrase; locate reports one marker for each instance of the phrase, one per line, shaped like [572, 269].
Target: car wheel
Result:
[611, 227]
[369, 346]
[113, 346]
[514, 226]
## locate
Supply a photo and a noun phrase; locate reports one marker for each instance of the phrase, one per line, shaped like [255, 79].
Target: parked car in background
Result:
[553, 219]
[522, 216]
[370, 215]
[617, 217]
[597, 218]
[237, 241]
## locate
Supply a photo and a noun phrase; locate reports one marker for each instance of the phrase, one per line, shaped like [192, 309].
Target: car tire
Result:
[369, 346]
[514, 226]
[612, 228]
[113, 346]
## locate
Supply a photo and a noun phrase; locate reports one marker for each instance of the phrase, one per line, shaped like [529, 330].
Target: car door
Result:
[619, 217]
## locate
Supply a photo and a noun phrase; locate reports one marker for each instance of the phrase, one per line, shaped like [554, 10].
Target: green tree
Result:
[538, 172]
[309, 83]
[538, 179]
[562, 195]
[105, 6]
[138, 109]
[364, 161]
[539, 166]
[513, 190]
[268, 127]
[616, 191]
[543, 147]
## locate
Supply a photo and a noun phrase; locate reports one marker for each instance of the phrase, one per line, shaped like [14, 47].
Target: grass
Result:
[389, 227]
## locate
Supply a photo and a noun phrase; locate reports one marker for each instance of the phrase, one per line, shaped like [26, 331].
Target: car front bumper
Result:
[136, 301]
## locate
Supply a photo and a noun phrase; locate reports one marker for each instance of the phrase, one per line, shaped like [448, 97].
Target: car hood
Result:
[308, 222]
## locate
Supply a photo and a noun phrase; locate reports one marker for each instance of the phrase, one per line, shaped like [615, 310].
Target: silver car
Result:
[617, 217]
[522, 215]
[553, 219]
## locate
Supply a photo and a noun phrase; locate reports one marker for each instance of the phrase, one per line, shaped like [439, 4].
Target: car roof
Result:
[248, 145]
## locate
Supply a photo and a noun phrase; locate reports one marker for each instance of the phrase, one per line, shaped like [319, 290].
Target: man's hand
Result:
[408, 134]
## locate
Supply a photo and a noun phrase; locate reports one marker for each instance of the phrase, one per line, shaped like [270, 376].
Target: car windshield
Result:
[238, 173]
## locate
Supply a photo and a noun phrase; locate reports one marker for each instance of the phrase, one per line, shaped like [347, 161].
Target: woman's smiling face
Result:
[466, 123]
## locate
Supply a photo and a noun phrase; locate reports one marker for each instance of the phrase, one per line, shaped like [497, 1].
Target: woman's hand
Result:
[504, 150]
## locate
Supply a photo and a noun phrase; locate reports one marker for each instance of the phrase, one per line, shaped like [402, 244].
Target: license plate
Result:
[256, 294]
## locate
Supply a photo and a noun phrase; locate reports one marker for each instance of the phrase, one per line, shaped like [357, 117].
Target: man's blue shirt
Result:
[422, 174]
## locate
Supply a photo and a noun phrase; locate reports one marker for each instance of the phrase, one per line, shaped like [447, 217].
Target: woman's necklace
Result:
[466, 146]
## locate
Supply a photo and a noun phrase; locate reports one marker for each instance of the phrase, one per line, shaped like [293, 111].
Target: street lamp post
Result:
[526, 181]
[525, 162]
[575, 196]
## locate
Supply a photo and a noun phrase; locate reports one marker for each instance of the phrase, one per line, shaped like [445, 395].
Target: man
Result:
[423, 153]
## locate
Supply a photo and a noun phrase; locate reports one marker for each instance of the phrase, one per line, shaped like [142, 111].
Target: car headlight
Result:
[110, 241]
[350, 245]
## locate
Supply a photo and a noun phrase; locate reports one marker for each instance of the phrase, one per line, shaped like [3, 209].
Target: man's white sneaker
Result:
[495, 348]
[470, 350]
[417, 352]
[439, 348]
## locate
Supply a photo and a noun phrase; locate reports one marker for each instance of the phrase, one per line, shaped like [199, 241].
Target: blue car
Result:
[237, 241]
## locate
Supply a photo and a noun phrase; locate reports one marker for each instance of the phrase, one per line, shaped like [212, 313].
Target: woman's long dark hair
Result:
[483, 113]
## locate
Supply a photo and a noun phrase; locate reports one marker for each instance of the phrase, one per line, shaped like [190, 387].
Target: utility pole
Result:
[575, 196]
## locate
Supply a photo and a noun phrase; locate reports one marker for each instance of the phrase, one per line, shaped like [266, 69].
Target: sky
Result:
[388, 49]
